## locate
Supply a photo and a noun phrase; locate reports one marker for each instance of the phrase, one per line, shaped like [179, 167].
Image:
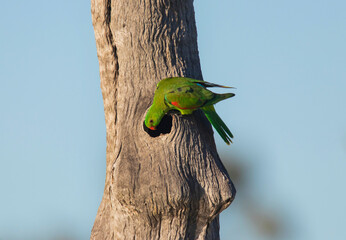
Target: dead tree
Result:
[170, 185]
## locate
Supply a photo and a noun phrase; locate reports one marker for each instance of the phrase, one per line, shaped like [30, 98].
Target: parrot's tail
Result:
[217, 123]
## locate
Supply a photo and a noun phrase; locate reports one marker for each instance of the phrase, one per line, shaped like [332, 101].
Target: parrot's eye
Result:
[151, 121]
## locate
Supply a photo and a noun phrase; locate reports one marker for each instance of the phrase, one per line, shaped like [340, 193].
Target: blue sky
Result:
[287, 60]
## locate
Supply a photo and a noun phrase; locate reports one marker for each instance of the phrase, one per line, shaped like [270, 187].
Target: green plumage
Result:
[187, 95]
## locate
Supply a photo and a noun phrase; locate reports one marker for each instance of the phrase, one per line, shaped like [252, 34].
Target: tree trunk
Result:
[171, 186]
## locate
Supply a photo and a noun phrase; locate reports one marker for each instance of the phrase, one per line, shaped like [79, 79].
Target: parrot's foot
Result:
[174, 112]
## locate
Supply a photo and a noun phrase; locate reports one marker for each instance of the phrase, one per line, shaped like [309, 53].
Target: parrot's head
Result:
[151, 123]
[153, 118]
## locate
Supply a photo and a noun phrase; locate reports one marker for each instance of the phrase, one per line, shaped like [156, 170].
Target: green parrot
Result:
[187, 95]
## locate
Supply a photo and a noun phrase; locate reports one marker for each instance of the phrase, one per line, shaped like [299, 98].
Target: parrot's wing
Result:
[188, 97]
[207, 84]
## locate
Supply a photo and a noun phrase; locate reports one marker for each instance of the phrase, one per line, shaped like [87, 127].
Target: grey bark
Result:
[167, 187]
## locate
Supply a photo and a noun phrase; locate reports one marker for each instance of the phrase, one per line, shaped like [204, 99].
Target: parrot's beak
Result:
[152, 128]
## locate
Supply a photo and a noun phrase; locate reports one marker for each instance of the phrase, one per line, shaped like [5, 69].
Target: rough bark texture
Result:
[167, 187]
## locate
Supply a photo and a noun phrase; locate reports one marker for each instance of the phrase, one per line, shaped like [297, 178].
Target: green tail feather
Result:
[217, 123]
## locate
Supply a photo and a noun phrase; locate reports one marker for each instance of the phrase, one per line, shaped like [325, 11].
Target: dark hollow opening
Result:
[164, 127]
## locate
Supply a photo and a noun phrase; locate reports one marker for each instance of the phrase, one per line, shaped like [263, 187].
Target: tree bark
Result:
[172, 186]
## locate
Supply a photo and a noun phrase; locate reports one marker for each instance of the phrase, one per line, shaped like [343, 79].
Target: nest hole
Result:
[164, 127]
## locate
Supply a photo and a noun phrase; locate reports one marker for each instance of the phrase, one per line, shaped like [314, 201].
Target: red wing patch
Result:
[178, 106]
[175, 104]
